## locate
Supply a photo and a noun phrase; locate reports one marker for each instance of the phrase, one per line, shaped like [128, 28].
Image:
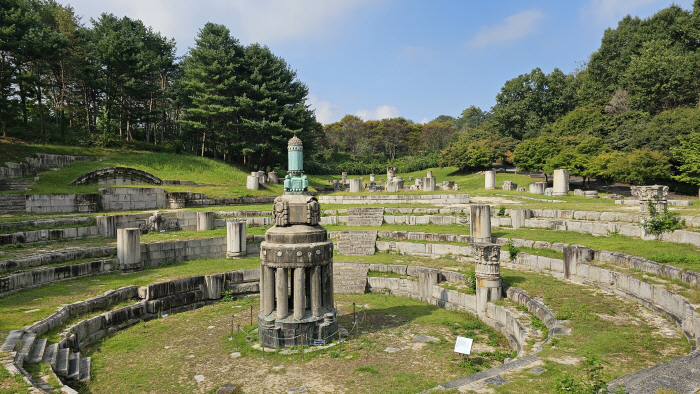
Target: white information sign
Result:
[463, 345]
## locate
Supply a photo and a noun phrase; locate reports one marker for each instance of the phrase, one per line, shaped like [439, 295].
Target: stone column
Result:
[252, 183]
[177, 200]
[656, 194]
[509, 185]
[480, 222]
[518, 216]
[537, 187]
[561, 183]
[316, 291]
[574, 255]
[299, 293]
[372, 178]
[236, 239]
[282, 296]
[268, 290]
[328, 301]
[429, 174]
[129, 249]
[355, 185]
[490, 180]
[428, 184]
[488, 274]
[205, 221]
[274, 177]
[390, 171]
[345, 177]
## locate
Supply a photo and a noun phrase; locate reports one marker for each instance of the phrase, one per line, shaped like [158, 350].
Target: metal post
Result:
[302, 347]
[354, 318]
[263, 347]
[232, 319]
[238, 334]
[340, 343]
[251, 315]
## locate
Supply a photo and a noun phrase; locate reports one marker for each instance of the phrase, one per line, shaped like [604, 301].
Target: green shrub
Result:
[659, 223]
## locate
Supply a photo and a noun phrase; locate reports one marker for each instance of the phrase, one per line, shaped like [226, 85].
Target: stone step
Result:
[85, 369]
[50, 355]
[73, 366]
[11, 341]
[349, 281]
[28, 340]
[62, 362]
[37, 353]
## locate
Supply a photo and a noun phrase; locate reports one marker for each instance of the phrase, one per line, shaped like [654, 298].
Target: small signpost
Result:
[463, 345]
[319, 342]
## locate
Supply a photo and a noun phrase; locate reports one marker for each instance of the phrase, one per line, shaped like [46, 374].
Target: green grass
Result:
[47, 298]
[163, 355]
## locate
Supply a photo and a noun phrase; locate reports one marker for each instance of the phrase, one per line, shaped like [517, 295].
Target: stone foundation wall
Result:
[56, 257]
[26, 280]
[51, 203]
[19, 226]
[49, 235]
[41, 162]
[12, 203]
[435, 199]
[133, 199]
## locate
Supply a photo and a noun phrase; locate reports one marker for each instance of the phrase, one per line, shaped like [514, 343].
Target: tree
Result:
[435, 135]
[688, 155]
[468, 156]
[211, 79]
[532, 154]
[470, 118]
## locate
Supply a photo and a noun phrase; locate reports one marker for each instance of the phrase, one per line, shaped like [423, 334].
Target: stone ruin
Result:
[657, 195]
[296, 267]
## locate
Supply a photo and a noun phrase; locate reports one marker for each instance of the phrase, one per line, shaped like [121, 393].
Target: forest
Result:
[629, 113]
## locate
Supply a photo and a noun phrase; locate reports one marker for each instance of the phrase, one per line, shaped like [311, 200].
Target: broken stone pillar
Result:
[429, 174]
[574, 255]
[561, 183]
[235, 239]
[480, 222]
[252, 183]
[489, 286]
[129, 249]
[428, 184]
[205, 221]
[657, 195]
[537, 187]
[177, 200]
[390, 172]
[344, 177]
[355, 185]
[509, 185]
[419, 182]
[261, 178]
[274, 177]
[372, 178]
[490, 180]
[518, 217]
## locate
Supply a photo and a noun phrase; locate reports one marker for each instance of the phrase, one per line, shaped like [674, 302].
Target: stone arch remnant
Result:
[117, 176]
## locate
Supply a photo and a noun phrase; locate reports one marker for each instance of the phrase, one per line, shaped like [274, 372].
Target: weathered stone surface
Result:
[365, 216]
[357, 243]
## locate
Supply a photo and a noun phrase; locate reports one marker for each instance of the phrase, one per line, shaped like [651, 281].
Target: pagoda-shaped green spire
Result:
[295, 182]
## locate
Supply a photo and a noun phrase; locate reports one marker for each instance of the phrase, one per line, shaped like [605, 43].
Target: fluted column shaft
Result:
[282, 296]
[299, 293]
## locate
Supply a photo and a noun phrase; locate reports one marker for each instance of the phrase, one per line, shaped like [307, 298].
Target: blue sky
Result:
[388, 58]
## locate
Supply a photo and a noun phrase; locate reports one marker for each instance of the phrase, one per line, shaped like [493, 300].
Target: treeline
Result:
[630, 114]
[117, 82]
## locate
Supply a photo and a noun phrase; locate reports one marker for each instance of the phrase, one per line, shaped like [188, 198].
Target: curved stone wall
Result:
[117, 176]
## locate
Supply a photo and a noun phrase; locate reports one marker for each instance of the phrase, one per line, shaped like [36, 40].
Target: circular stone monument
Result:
[297, 247]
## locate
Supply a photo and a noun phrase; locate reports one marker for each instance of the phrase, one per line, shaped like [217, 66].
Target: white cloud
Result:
[381, 112]
[325, 112]
[609, 12]
[511, 29]
[424, 121]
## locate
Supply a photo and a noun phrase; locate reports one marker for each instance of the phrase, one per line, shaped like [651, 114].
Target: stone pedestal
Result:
[372, 178]
[177, 200]
[591, 194]
[205, 221]
[428, 184]
[538, 187]
[274, 177]
[509, 185]
[657, 195]
[390, 172]
[518, 216]
[129, 249]
[355, 185]
[252, 183]
[480, 222]
[574, 255]
[419, 182]
[395, 185]
[490, 180]
[489, 286]
[235, 239]
[561, 183]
